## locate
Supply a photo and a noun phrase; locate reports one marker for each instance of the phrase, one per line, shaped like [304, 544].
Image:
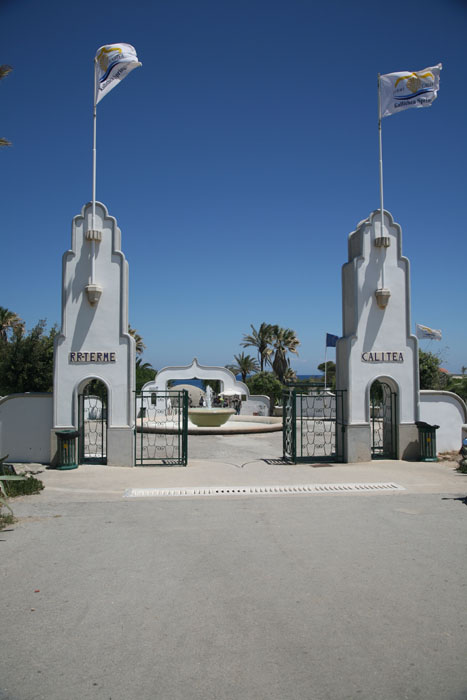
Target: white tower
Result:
[377, 343]
[94, 342]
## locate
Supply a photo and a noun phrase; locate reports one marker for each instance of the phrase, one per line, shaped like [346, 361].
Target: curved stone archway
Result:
[256, 405]
[230, 385]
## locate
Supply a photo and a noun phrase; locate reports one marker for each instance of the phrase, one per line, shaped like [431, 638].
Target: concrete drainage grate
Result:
[284, 490]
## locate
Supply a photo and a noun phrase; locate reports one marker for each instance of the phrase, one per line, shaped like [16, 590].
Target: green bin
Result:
[66, 447]
[427, 441]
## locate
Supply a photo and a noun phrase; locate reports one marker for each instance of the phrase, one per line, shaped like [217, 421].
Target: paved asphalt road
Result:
[320, 597]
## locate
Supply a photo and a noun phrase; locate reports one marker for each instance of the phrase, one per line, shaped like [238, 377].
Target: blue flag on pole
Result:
[331, 340]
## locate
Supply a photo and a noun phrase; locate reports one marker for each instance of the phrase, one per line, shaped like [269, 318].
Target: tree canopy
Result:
[245, 365]
[260, 339]
[8, 321]
[145, 372]
[273, 343]
[284, 340]
[430, 375]
[26, 360]
[266, 383]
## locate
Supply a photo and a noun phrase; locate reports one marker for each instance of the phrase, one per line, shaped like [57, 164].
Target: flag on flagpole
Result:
[112, 63]
[331, 340]
[425, 332]
[400, 91]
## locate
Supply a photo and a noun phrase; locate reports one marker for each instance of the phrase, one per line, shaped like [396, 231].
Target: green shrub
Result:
[26, 487]
[266, 383]
[5, 519]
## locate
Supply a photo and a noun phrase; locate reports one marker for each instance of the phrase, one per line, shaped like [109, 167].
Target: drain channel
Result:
[284, 490]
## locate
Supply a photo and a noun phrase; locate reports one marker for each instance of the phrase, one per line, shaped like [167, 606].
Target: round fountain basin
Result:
[210, 417]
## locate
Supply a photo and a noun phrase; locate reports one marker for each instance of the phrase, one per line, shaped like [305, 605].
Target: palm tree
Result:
[143, 365]
[4, 70]
[8, 321]
[140, 346]
[246, 364]
[284, 341]
[145, 372]
[260, 339]
[290, 375]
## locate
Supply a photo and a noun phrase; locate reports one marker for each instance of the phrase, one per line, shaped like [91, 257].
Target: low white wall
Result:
[255, 405]
[447, 410]
[25, 424]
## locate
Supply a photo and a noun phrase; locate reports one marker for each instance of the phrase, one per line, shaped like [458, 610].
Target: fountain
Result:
[209, 417]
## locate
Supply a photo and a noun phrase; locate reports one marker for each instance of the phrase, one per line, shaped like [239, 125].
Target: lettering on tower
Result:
[382, 356]
[100, 357]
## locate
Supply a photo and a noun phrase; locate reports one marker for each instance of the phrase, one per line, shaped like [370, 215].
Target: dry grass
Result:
[451, 456]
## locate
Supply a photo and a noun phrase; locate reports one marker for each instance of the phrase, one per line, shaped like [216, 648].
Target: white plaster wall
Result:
[25, 424]
[99, 328]
[367, 328]
[447, 410]
[255, 404]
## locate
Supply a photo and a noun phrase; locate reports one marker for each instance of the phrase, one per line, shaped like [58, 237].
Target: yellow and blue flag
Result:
[400, 91]
[112, 63]
[429, 333]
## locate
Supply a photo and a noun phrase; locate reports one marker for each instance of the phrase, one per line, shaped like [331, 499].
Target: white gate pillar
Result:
[94, 342]
[377, 342]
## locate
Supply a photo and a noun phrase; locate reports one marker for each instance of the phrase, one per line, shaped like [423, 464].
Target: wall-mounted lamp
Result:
[382, 297]
[94, 293]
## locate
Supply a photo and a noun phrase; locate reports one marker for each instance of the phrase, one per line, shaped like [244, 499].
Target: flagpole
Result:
[326, 365]
[380, 169]
[93, 221]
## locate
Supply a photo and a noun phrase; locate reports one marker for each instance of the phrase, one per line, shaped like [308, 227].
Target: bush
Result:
[25, 487]
[459, 387]
[5, 519]
[266, 383]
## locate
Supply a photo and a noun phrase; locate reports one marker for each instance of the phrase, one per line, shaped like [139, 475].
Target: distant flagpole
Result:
[380, 131]
[331, 342]
[326, 364]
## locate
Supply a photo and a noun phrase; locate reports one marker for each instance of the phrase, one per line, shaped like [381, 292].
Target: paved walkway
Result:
[347, 596]
[111, 482]
[319, 597]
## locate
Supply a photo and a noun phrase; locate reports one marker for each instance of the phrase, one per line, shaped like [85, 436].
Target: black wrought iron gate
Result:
[383, 423]
[92, 426]
[161, 433]
[312, 425]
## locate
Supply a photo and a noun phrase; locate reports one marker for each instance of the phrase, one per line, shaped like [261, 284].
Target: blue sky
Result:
[236, 160]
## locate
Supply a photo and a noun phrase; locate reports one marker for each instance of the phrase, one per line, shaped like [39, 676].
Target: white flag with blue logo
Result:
[113, 62]
[400, 91]
[429, 333]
